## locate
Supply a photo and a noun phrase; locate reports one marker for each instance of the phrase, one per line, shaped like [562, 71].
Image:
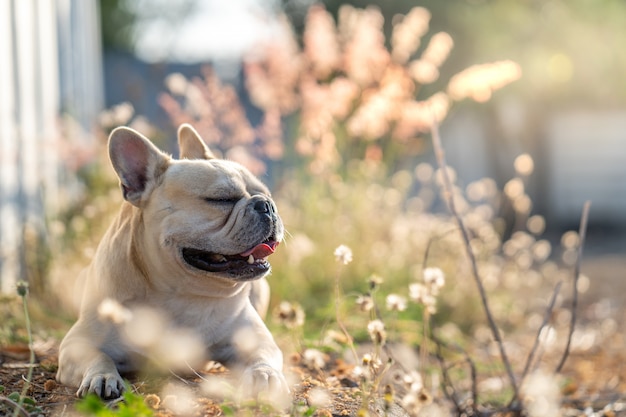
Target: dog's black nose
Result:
[263, 206]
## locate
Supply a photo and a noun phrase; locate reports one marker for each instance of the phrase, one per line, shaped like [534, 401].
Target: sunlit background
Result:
[332, 104]
[529, 94]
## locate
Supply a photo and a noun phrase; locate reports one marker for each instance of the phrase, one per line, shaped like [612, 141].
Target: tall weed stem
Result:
[449, 197]
[22, 291]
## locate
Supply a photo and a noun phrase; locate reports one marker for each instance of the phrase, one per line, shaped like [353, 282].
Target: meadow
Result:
[398, 290]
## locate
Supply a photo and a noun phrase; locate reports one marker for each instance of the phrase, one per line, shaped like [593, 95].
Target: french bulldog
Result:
[190, 242]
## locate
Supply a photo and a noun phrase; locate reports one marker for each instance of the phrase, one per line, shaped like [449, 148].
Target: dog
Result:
[190, 243]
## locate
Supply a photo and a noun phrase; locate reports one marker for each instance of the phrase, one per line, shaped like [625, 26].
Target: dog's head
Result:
[209, 216]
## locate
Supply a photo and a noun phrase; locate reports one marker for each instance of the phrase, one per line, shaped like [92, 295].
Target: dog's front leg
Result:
[84, 365]
[262, 358]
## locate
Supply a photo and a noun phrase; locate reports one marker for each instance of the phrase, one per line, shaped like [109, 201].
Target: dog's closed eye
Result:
[222, 200]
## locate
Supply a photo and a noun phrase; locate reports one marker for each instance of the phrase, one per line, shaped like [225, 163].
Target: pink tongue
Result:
[261, 250]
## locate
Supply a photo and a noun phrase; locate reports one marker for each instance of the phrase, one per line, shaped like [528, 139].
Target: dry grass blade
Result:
[448, 194]
[582, 233]
[452, 392]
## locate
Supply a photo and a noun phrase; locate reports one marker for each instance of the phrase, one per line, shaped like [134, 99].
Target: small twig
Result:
[582, 233]
[448, 193]
[451, 394]
[110, 404]
[444, 370]
[430, 243]
[546, 319]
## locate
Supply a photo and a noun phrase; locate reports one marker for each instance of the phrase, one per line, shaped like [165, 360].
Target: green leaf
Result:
[92, 405]
[29, 401]
[227, 410]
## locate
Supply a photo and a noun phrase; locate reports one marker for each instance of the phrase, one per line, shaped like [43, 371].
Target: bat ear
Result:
[191, 144]
[137, 162]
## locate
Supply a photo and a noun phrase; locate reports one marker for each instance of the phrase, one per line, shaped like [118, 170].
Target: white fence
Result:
[51, 64]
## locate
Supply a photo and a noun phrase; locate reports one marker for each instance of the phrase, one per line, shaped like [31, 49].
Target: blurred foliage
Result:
[565, 47]
[117, 23]
[569, 50]
[121, 20]
[341, 137]
[132, 406]
[347, 111]
[344, 94]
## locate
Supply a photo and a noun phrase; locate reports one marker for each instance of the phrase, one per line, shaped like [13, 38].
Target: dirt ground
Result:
[594, 383]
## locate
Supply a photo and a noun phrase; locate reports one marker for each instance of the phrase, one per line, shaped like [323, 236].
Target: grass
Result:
[364, 284]
[397, 323]
[19, 402]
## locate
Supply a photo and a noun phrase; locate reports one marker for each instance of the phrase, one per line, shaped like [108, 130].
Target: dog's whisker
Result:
[288, 235]
[180, 378]
[192, 369]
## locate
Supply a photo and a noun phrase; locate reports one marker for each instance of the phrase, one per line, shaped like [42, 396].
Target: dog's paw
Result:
[262, 379]
[105, 385]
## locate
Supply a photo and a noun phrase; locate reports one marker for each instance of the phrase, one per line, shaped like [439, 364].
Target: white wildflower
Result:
[178, 398]
[370, 361]
[374, 281]
[395, 302]
[541, 394]
[365, 302]
[360, 372]
[319, 398]
[417, 292]
[343, 254]
[376, 329]
[334, 338]
[431, 305]
[291, 315]
[413, 381]
[422, 295]
[434, 279]
[414, 402]
[314, 359]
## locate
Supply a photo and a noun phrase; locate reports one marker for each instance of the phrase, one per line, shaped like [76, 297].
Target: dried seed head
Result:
[343, 254]
[376, 329]
[434, 279]
[365, 302]
[291, 315]
[395, 302]
[374, 281]
[22, 288]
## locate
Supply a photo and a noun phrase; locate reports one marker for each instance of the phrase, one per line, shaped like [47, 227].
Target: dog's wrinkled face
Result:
[220, 219]
[205, 216]
[193, 234]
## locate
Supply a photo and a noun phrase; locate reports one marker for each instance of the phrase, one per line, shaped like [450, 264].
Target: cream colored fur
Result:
[170, 205]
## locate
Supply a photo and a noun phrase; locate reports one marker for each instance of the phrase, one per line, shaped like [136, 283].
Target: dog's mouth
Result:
[247, 265]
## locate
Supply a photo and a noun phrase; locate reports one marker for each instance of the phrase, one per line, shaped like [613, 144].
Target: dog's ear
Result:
[191, 144]
[137, 162]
